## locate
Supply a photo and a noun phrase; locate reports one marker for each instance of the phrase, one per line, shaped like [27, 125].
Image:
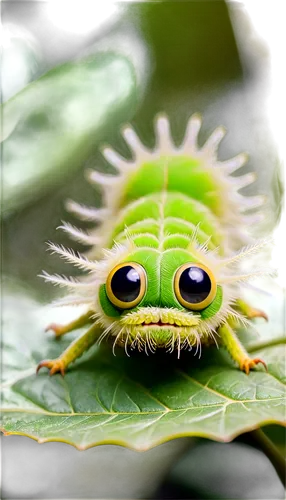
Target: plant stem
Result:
[268, 343]
[276, 458]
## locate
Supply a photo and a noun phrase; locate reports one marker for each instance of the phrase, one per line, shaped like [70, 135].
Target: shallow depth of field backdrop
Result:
[107, 64]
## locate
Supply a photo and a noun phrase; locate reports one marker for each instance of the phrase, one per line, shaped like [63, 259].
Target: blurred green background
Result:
[71, 78]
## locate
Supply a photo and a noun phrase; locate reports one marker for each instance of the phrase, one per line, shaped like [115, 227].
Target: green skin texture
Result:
[160, 217]
[169, 216]
[148, 207]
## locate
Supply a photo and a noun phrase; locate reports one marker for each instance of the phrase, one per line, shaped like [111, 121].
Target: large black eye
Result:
[195, 286]
[126, 285]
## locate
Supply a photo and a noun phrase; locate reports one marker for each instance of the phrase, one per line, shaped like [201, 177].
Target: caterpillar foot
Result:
[56, 328]
[248, 363]
[54, 365]
[249, 311]
[256, 313]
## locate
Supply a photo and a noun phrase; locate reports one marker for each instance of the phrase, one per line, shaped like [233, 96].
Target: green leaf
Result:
[135, 401]
[50, 127]
[237, 470]
[21, 59]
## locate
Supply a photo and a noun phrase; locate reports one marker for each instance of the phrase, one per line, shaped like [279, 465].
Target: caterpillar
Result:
[162, 269]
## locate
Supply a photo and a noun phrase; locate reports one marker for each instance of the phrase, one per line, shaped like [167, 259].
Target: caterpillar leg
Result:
[229, 340]
[74, 351]
[60, 330]
[249, 311]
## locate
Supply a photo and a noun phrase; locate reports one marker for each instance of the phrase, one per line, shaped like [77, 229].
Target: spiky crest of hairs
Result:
[236, 205]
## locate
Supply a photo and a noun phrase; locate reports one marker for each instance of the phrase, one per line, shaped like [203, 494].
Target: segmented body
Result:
[194, 186]
[168, 210]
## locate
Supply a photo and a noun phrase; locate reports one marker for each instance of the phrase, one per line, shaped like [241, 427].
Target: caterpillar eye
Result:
[126, 285]
[195, 286]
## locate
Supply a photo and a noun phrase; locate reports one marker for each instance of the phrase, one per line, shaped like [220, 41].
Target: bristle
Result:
[164, 141]
[205, 246]
[79, 235]
[96, 177]
[245, 252]
[70, 256]
[233, 164]
[87, 213]
[64, 281]
[191, 136]
[133, 141]
[245, 277]
[238, 316]
[117, 160]
[243, 236]
[72, 300]
[253, 219]
[249, 202]
[211, 145]
[243, 180]
[195, 234]
[256, 289]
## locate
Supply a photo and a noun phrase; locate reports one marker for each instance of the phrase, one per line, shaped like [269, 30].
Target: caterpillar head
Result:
[173, 299]
[159, 300]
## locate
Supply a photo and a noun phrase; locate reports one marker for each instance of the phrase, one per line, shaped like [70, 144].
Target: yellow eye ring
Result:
[129, 280]
[198, 283]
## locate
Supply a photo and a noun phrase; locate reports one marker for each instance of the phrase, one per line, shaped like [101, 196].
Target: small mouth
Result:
[160, 324]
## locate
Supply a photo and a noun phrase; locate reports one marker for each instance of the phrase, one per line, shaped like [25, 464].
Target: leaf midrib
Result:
[151, 412]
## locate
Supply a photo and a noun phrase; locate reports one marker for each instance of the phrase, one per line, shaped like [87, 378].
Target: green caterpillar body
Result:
[162, 263]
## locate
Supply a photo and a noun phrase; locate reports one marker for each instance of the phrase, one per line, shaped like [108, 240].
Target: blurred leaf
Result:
[213, 470]
[51, 126]
[278, 436]
[194, 55]
[20, 58]
[33, 472]
[137, 402]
